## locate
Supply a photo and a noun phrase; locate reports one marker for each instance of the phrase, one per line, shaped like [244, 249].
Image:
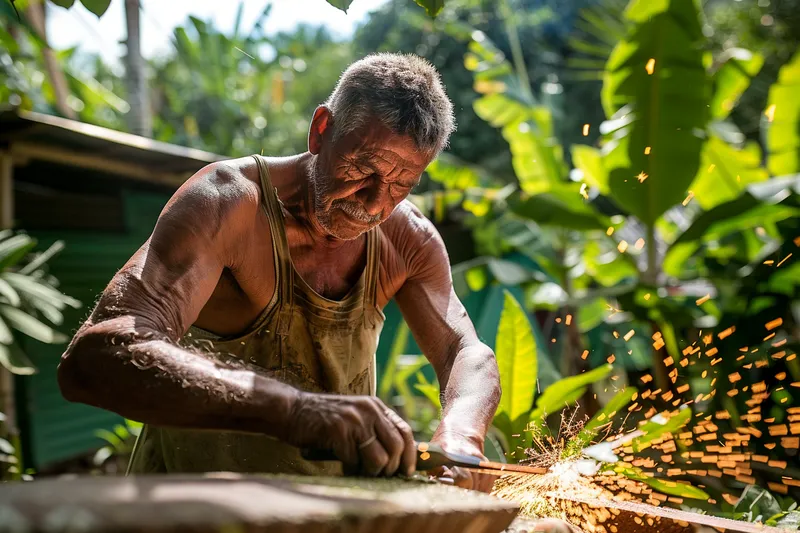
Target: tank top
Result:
[302, 339]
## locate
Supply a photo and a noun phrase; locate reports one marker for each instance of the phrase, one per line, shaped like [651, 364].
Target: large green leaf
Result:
[63, 3]
[755, 206]
[783, 133]
[563, 392]
[98, 7]
[660, 113]
[732, 78]
[589, 161]
[515, 348]
[561, 207]
[726, 171]
[658, 426]
[15, 360]
[527, 127]
[601, 419]
[454, 174]
[30, 326]
[673, 488]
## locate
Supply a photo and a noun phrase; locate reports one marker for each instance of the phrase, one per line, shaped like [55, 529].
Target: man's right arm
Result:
[126, 359]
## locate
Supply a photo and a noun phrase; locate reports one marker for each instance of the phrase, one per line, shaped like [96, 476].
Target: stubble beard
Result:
[324, 212]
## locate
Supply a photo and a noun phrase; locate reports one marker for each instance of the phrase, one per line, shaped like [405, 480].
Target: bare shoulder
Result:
[216, 199]
[415, 241]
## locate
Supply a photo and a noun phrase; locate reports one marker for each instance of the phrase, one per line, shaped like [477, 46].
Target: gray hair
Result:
[403, 91]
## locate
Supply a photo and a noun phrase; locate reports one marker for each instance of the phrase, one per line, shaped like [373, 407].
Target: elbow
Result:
[76, 380]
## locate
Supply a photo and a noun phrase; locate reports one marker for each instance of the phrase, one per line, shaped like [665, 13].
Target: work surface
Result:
[228, 503]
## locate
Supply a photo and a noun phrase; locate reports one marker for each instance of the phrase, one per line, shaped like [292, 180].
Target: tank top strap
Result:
[371, 272]
[284, 275]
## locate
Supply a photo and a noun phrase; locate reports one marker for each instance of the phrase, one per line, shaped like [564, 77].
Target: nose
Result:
[373, 197]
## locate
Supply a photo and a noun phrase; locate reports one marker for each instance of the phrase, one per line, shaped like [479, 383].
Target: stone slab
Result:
[232, 503]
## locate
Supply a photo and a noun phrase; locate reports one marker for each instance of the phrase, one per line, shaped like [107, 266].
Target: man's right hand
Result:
[368, 437]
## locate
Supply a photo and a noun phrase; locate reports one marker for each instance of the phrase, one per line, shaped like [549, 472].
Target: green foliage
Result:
[564, 392]
[114, 456]
[732, 78]
[783, 133]
[666, 37]
[673, 488]
[98, 7]
[27, 293]
[658, 426]
[516, 359]
[603, 418]
[726, 171]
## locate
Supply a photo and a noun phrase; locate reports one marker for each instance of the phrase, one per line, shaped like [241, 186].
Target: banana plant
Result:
[28, 297]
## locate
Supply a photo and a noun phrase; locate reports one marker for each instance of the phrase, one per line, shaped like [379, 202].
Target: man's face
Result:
[359, 180]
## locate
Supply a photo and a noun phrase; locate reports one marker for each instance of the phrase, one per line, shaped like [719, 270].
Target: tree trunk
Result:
[139, 119]
[36, 14]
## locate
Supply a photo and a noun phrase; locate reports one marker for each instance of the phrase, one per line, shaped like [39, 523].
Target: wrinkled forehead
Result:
[381, 146]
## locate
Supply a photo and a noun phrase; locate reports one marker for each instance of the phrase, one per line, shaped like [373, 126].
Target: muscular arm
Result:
[125, 357]
[465, 367]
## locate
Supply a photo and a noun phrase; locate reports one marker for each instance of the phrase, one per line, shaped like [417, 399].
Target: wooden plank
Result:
[264, 504]
[52, 154]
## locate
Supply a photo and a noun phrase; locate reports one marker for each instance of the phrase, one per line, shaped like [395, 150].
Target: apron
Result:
[302, 339]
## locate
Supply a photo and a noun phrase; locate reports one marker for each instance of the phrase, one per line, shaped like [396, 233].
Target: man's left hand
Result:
[462, 477]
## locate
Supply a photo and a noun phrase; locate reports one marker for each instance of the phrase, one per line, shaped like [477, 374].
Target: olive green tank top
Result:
[301, 338]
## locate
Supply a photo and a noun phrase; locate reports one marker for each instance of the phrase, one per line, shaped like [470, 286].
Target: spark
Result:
[647, 296]
[703, 300]
[583, 191]
[688, 199]
[646, 150]
[568, 321]
[641, 176]
[784, 259]
[639, 243]
[772, 324]
[651, 66]
[628, 335]
[585, 354]
[770, 113]
[610, 231]
[585, 130]
[622, 246]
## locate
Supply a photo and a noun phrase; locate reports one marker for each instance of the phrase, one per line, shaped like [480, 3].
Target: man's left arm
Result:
[465, 367]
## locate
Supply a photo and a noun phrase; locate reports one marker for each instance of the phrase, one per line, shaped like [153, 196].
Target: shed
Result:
[100, 191]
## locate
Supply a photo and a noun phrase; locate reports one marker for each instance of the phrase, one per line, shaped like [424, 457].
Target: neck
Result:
[293, 179]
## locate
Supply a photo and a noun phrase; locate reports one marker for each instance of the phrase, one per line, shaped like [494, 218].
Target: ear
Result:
[320, 123]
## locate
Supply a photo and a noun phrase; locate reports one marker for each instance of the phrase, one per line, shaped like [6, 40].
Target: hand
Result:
[368, 437]
[454, 443]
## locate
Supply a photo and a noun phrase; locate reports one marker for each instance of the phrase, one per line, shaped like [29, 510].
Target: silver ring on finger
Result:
[367, 442]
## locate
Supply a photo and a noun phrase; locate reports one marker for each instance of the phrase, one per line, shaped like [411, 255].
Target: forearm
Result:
[143, 375]
[470, 394]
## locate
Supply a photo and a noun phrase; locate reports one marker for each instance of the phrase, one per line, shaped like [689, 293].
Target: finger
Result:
[392, 442]
[373, 458]
[408, 460]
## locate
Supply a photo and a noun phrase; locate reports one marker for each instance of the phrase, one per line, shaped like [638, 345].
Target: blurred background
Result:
[621, 196]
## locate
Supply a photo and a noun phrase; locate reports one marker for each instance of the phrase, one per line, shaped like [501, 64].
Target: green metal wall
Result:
[54, 429]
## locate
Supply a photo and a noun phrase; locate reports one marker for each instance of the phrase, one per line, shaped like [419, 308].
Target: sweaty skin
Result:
[209, 262]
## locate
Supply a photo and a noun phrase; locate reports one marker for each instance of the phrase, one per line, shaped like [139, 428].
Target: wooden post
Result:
[6, 222]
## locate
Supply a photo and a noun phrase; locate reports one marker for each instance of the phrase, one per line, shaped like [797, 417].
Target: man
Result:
[245, 328]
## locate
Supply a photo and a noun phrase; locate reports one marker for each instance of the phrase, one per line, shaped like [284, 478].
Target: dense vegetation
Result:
[630, 170]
